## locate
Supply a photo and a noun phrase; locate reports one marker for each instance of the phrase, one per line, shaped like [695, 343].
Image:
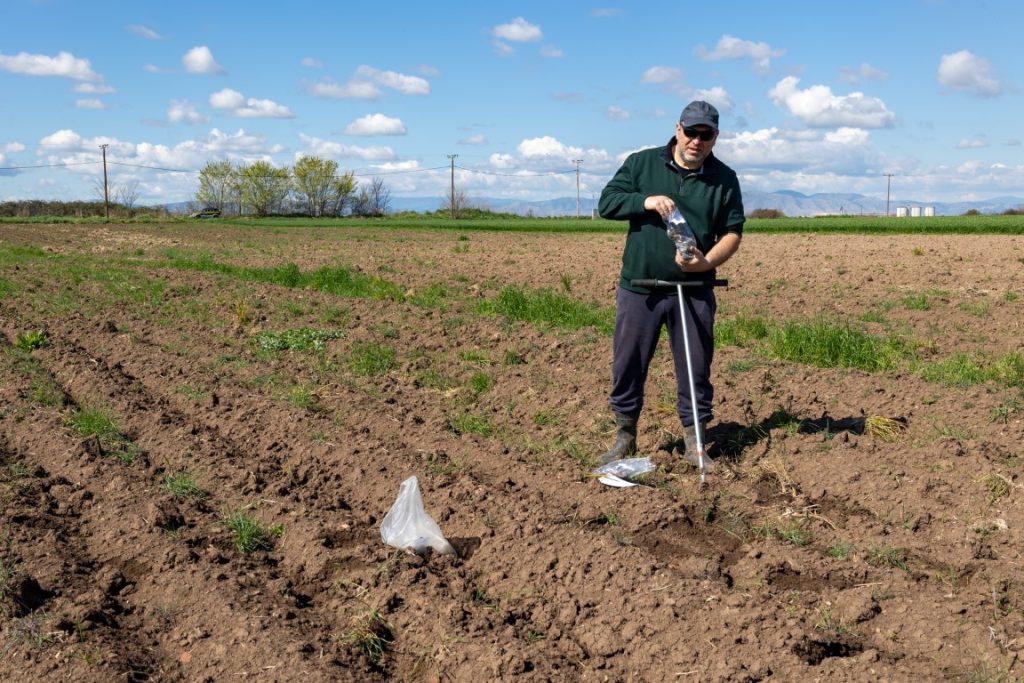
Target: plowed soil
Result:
[821, 549]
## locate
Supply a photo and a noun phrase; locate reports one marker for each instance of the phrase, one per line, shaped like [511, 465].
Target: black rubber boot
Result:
[625, 438]
[690, 438]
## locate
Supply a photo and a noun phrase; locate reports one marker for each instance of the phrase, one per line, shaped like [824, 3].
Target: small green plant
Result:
[249, 534]
[566, 283]
[29, 341]
[1010, 295]
[371, 359]
[475, 357]
[470, 423]
[96, 422]
[998, 487]
[480, 382]
[370, 634]
[302, 339]
[831, 625]
[978, 309]
[893, 558]
[514, 357]
[840, 550]
[917, 251]
[533, 636]
[183, 485]
[917, 302]
[1003, 411]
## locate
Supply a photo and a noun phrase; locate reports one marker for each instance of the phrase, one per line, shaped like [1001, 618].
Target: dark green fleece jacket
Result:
[709, 200]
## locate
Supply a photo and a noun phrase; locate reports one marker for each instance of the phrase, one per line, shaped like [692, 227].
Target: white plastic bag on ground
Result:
[619, 472]
[407, 524]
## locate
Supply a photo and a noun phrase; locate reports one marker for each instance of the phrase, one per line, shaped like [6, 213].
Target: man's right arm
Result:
[620, 198]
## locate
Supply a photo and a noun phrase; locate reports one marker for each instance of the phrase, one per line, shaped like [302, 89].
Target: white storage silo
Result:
[915, 211]
[929, 211]
[901, 212]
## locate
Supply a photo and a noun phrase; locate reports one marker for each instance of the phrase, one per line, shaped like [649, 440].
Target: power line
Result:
[74, 163]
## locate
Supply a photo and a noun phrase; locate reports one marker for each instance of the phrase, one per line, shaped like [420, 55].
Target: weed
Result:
[998, 487]
[370, 634]
[830, 624]
[533, 636]
[828, 344]
[1010, 295]
[841, 550]
[442, 466]
[545, 418]
[917, 251]
[95, 422]
[482, 599]
[740, 331]
[29, 341]
[372, 359]
[480, 382]
[976, 308]
[961, 370]
[893, 558]
[183, 485]
[546, 307]
[566, 283]
[249, 534]
[470, 423]
[302, 339]
[433, 379]
[1003, 411]
[475, 357]
[514, 357]
[916, 302]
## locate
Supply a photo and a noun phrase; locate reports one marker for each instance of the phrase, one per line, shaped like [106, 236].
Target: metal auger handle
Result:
[658, 284]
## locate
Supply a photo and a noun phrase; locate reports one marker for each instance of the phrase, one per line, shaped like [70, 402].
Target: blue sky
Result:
[815, 96]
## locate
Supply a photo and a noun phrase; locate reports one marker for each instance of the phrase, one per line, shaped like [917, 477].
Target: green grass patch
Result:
[470, 423]
[962, 370]
[183, 485]
[828, 344]
[740, 330]
[96, 422]
[302, 339]
[548, 307]
[29, 341]
[249, 535]
[372, 359]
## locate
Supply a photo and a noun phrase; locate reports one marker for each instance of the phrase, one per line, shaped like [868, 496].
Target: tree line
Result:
[312, 187]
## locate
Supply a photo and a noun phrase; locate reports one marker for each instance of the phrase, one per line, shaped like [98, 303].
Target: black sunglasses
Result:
[705, 135]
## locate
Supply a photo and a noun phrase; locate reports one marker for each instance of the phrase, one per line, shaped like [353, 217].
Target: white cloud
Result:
[550, 152]
[62, 139]
[519, 30]
[144, 31]
[355, 90]
[717, 96]
[227, 99]
[375, 124]
[551, 52]
[65, 65]
[972, 143]
[154, 69]
[614, 113]
[181, 111]
[336, 150]
[199, 60]
[662, 74]
[407, 85]
[478, 139]
[92, 89]
[90, 103]
[502, 49]
[263, 109]
[731, 47]
[967, 73]
[312, 62]
[845, 151]
[14, 147]
[817, 106]
[248, 108]
[864, 72]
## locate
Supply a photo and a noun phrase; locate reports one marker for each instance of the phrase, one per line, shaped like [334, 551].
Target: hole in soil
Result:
[691, 548]
[28, 596]
[814, 652]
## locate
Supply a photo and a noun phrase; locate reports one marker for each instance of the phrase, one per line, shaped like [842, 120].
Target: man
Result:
[684, 174]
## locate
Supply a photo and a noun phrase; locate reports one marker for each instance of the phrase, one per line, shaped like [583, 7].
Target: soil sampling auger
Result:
[679, 285]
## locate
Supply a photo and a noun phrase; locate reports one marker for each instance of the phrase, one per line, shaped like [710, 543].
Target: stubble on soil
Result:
[819, 551]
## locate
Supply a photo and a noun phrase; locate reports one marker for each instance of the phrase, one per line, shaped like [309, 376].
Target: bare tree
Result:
[128, 195]
[379, 196]
[455, 203]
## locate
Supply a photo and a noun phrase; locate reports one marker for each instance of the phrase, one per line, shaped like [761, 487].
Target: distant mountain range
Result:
[789, 202]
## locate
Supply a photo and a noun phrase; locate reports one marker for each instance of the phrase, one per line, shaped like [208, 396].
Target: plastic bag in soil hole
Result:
[407, 524]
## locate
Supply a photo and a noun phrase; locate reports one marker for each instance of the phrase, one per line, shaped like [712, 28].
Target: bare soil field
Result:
[182, 500]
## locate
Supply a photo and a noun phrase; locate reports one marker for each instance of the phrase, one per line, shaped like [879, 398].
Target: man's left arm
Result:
[720, 253]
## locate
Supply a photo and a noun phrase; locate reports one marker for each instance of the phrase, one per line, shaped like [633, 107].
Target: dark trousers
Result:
[638, 322]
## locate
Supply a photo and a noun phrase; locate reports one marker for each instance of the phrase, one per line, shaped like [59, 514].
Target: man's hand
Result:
[660, 203]
[697, 263]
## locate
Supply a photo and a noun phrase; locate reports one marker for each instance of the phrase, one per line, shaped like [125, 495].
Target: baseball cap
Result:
[699, 113]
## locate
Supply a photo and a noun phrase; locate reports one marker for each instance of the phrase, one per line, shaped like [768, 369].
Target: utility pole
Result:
[452, 197]
[577, 162]
[888, 184]
[106, 195]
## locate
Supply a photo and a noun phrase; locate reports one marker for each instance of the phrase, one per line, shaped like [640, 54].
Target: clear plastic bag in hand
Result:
[407, 524]
[680, 232]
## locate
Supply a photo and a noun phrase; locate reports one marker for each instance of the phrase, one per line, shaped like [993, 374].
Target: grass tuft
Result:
[249, 534]
[370, 634]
